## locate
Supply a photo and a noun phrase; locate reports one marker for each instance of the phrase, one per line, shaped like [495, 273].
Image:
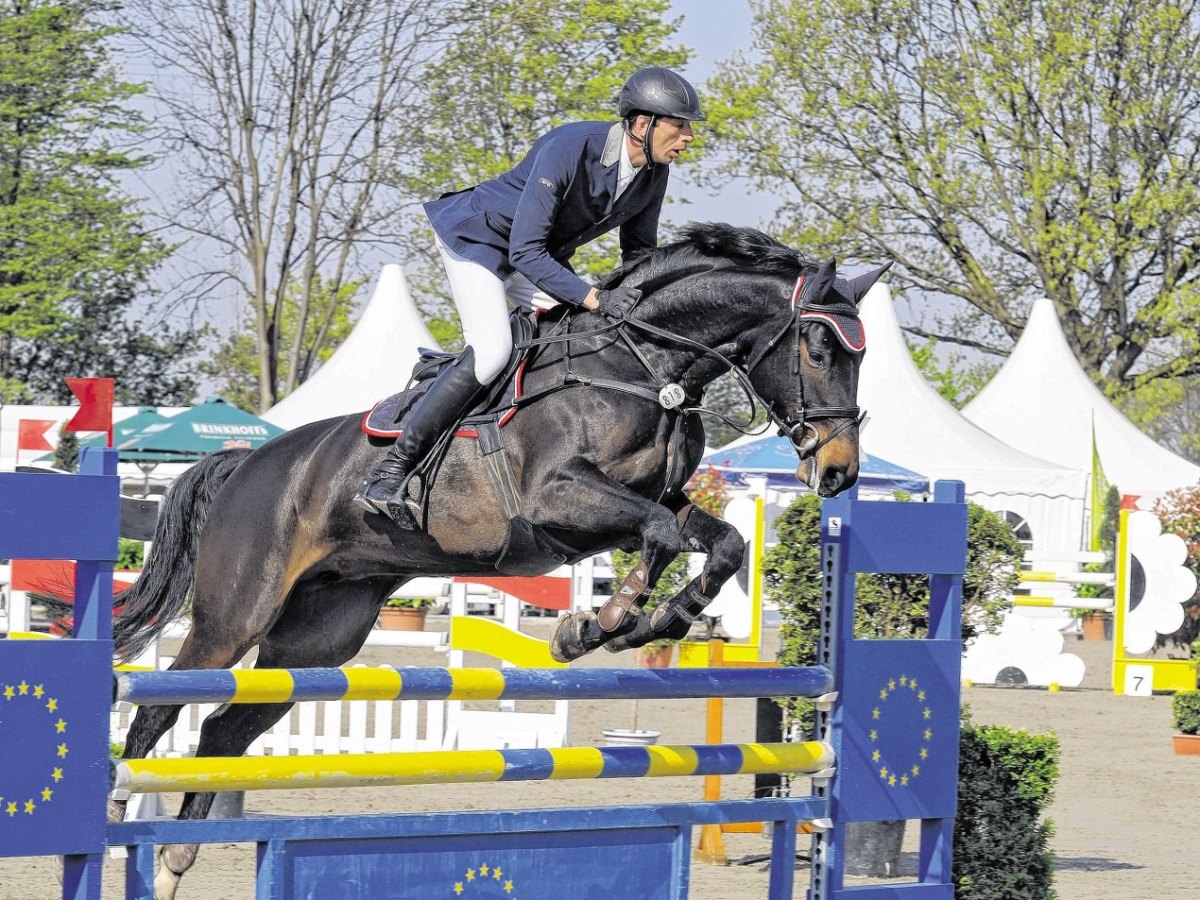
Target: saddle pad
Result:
[386, 418]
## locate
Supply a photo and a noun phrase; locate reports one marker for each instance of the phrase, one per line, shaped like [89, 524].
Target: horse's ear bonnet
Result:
[834, 301]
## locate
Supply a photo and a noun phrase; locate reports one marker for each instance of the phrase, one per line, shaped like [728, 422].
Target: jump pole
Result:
[891, 729]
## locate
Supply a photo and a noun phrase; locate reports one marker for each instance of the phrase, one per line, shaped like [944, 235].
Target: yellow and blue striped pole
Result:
[385, 683]
[466, 766]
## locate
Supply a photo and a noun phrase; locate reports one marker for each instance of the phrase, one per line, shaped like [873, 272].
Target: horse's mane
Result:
[705, 246]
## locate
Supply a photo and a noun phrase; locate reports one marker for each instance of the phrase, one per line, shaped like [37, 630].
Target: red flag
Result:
[95, 405]
[31, 434]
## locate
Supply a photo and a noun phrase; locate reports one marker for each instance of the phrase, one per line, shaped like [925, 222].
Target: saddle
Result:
[385, 422]
[497, 407]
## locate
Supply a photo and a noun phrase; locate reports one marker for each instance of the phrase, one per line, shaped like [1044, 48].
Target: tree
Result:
[515, 70]
[66, 451]
[74, 251]
[956, 379]
[997, 151]
[1169, 412]
[234, 367]
[286, 118]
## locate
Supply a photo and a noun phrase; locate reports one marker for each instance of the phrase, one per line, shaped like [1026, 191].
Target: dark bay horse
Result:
[273, 553]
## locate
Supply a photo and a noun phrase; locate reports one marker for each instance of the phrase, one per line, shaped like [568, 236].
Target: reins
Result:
[672, 396]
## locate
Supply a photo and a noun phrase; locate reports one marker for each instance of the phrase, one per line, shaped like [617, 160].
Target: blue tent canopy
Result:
[775, 459]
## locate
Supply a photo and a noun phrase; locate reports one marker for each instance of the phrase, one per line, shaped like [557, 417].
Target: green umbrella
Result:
[213, 425]
[143, 418]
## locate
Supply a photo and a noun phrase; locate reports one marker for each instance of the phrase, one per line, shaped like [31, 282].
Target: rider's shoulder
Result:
[575, 132]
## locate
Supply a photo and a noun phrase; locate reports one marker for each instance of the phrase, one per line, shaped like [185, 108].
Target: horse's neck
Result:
[714, 321]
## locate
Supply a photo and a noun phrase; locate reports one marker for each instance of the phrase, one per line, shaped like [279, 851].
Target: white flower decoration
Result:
[1159, 584]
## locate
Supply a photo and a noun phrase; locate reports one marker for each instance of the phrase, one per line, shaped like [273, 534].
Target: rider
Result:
[510, 240]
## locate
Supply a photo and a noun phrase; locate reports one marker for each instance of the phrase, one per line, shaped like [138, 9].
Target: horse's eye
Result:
[820, 345]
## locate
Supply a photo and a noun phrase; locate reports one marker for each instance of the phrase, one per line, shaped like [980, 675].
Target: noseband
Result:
[795, 422]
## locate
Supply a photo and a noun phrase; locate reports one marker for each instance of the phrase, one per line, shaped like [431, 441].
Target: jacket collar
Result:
[612, 145]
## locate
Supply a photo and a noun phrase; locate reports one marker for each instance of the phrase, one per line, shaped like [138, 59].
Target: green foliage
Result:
[325, 325]
[519, 67]
[447, 331]
[1094, 591]
[956, 380]
[74, 251]
[1168, 411]
[130, 554]
[1006, 781]
[410, 602]
[998, 151]
[66, 453]
[1179, 512]
[887, 605]
[1185, 711]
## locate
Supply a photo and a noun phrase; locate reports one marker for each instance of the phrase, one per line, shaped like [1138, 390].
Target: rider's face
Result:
[669, 139]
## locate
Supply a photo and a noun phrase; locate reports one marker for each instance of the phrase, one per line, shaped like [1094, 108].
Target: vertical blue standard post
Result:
[55, 695]
[894, 726]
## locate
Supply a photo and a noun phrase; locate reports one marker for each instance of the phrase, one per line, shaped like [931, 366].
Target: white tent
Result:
[913, 426]
[1042, 401]
[375, 360]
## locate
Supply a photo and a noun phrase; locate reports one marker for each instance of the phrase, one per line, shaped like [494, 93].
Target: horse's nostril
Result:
[834, 480]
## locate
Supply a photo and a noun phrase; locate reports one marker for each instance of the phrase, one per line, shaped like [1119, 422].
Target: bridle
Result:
[796, 421]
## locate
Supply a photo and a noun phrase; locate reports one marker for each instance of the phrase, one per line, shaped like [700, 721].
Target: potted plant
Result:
[1185, 709]
[405, 613]
[1094, 624]
[657, 654]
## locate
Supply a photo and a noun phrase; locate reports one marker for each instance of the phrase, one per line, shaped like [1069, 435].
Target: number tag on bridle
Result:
[671, 395]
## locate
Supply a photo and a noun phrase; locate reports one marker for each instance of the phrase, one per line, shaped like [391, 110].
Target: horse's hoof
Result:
[173, 861]
[570, 640]
[116, 810]
[641, 634]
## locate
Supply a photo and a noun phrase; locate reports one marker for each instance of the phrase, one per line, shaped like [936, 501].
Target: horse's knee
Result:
[661, 535]
[727, 553]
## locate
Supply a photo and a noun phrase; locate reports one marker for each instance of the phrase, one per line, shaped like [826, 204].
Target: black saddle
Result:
[386, 418]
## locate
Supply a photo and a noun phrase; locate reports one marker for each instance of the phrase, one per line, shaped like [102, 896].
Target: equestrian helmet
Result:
[659, 92]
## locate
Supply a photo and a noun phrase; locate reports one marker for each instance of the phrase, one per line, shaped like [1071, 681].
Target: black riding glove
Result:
[617, 302]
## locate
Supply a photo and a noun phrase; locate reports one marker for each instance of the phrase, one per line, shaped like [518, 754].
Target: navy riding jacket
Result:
[534, 217]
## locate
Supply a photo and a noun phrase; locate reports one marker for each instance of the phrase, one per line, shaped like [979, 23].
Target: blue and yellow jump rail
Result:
[885, 747]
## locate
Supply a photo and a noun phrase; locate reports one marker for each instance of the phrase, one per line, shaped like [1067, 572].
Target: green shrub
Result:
[410, 602]
[1185, 708]
[1006, 781]
[130, 554]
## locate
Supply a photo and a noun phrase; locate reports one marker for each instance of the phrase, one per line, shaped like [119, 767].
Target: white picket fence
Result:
[327, 726]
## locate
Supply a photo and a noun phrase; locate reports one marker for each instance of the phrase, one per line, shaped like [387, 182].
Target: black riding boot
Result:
[440, 408]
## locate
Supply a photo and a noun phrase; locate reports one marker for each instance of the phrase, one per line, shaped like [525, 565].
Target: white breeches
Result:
[483, 300]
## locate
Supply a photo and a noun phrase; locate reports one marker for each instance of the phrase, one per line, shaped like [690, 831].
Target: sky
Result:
[713, 29]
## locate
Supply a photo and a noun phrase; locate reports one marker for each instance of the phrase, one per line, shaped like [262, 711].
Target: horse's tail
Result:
[161, 593]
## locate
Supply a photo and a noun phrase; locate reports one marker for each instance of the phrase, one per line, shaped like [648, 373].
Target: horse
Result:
[272, 552]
